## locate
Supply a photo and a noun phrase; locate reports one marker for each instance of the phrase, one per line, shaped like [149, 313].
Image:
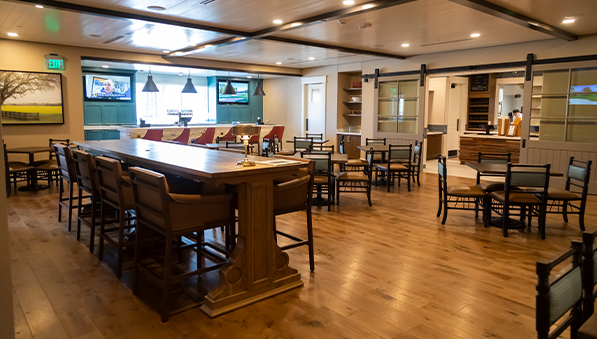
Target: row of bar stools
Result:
[87, 182]
[68, 173]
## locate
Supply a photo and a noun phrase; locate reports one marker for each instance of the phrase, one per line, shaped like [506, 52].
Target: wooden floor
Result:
[391, 270]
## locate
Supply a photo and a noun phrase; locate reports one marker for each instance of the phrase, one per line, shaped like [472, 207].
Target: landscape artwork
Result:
[31, 98]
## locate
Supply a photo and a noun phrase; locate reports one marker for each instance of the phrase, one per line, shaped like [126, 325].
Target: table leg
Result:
[257, 268]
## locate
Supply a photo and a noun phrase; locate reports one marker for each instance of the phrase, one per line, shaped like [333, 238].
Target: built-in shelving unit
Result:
[481, 101]
[350, 95]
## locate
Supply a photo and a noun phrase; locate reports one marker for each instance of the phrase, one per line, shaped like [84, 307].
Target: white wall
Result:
[282, 105]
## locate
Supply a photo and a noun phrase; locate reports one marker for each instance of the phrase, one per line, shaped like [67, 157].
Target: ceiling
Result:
[428, 26]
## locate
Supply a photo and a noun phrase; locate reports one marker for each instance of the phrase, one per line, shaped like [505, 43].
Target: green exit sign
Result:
[54, 62]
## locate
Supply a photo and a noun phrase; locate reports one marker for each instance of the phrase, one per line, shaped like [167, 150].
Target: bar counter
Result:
[173, 131]
[471, 145]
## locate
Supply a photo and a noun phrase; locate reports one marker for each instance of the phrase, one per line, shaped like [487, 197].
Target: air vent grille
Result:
[206, 2]
[129, 33]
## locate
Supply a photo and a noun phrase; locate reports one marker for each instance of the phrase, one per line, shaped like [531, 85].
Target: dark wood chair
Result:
[589, 280]
[351, 164]
[494, 158]
[525, 192]
[173, 216]
[458, 197]
[321, 148]
[68, 173]
[154, 134]
[268, 148]
[87, 182]
[356, 179]
[116, 195]
[323, 180]
[16, 171]
[379, 156]
[561, 201]
[293, 196]
[559, 297]
[416, 163]
[48, 169]
[315, 136]
[396, 169]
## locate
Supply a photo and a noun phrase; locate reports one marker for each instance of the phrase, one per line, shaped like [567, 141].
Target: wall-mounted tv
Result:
[108, 87]
[241, 96]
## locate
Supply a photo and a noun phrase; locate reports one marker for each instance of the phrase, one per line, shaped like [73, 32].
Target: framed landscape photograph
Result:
[31, 98]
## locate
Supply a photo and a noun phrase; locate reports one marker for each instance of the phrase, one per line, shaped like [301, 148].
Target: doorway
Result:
[314, 104]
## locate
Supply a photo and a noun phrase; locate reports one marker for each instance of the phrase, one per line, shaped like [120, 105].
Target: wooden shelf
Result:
[353, 102]
[353, 89]
[352, 115]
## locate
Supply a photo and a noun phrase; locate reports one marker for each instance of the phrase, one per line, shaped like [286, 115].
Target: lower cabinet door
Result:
[94, 135]
[112, 135]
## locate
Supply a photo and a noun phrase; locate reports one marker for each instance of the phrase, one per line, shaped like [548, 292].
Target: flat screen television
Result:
[241, 96]
[106, 87]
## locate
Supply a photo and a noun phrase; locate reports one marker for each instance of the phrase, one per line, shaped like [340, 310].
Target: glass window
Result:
[564, 105]
[398, 106]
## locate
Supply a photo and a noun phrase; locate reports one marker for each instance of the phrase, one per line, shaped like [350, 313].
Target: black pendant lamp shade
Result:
[150, 85]
[259, 89]
[229, 89]
[189, 88]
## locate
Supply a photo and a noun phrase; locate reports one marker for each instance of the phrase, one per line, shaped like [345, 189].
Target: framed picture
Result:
[31, 98]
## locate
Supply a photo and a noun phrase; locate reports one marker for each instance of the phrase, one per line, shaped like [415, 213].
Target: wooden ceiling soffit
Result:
[517, 18]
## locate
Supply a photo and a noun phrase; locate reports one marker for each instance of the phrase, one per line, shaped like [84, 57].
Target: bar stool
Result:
[68, 173]
[206, 138]
[293, 196]
[172, 216]
[154, 134]
[87, 181]
[116, 193]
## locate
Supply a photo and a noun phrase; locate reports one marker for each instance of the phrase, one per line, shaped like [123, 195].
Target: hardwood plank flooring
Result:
[387, 271]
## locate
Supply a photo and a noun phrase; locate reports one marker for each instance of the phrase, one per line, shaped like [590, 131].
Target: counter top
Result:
[484, 136]
[348, 133]
[435, 133]
[92, 128]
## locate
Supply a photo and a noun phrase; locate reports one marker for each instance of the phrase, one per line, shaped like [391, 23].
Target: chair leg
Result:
[407, 180]
[445, 213]
[418, 182]
[70, 204]
[565, 210]
[79, 209]
[476, 208]
[439, 209]
[137, 259]
[486, 211]
[101, 238]
[61, 189]
[337, 192]
[121, 225]
[506, 216]
[179, 249]
[369, 194]
[581, 219]
[92, 231]
[310, 239]
[166, 283]
[389, 181]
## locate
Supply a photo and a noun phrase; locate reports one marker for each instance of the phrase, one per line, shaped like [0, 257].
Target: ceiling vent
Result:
[129, 33]
[206, 2]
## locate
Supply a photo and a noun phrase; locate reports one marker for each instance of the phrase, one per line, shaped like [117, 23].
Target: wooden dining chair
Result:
[154, 134]
[293, 196]
[321, 148]
[524, 195]
[183, 138]
[268, 148]
[355, 179]
[16, 171]
[561, 296]
[379, 156]
[173, 216]
[395, 169]
[492, 158]
[457, 197]
[351, 164]
[206, 138]
[315, 136]
[68, 173]
[87, 182]
[323, 179]
[589, 277]
[565, 201]
[302, 144]
[47, 169]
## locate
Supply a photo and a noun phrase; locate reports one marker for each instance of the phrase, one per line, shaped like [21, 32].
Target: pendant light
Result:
[189, 88]
[259, 89]
[229, 90]
[149, 84]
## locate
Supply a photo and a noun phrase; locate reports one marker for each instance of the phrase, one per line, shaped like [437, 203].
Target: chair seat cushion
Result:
[465, 191]
[49, 166]
[352, 176]
[517, 198]
[555, 194]
[44, 162]
[320, 180]
[303, 172]
[357, 162]
[285, 152]
[393, 167]
[291, 195]
[491, 186]
[15, 166]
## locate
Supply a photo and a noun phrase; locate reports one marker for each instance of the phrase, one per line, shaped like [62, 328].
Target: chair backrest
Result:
[294, 195]
[109, 174]
[442, 174]
[535, 176]
[150, 191]
[59, 141]
[556, 298]
[400, 152]
[341, 146]
[183, 138]
[375, 141]
[589, 274]
[322, 148]
[417, 149]
[279, 131]
[268, 148]
[207, 137]
[302, 144]
[322, 160]
[154, 134]
[316, 136]
[66, 162]
[495, 158]
[228, 137]
[86, 173]
[579, 174]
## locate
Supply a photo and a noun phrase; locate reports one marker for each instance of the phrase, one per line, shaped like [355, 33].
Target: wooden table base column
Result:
[257, 268]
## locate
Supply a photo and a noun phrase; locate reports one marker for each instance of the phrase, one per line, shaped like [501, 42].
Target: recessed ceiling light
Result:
[39, 6]
[156, 8]
[475, 35]
[405, 45]
[208, 46]
[311, 58]
[348, 2]
[568, 20]
[279, 63]
[105, 66]
[368, 6]
[165, 51]
[12, 34]
[248, 76]
[295, 24]
[278, 21]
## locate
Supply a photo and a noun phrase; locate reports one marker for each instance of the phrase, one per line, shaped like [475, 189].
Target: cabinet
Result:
[349, 102]
[97, 114]
[106, 134]
[351, 144]
[481, 101]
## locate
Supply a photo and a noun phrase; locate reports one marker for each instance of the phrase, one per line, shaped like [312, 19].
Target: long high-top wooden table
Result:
[257, 269]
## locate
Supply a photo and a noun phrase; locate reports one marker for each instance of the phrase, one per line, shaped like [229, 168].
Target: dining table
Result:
[257, 268]
[496, 169]
[32, 173]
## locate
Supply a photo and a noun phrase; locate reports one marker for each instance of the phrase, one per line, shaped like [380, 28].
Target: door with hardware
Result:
[315, 117]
